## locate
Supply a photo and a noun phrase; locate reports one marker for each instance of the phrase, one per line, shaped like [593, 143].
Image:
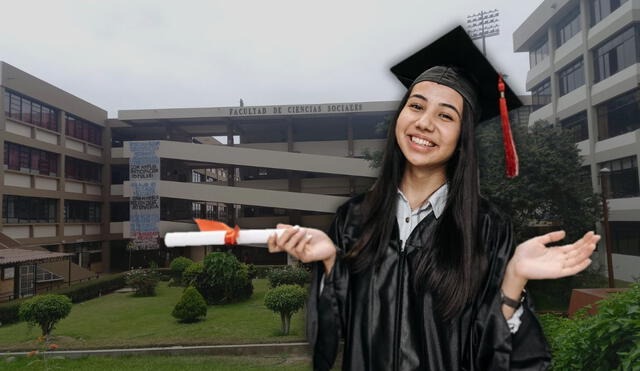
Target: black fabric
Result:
[386, 326]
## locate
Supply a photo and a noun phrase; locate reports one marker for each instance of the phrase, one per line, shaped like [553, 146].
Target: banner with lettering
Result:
[144, 205]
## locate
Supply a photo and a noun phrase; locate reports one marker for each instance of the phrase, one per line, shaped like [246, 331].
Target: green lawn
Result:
[122, 320]
[159, 363]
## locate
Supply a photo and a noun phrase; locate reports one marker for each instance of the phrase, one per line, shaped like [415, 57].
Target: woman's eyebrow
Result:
[420, 96]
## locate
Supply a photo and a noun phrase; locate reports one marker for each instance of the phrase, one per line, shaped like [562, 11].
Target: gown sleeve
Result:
[327, 308]
[494, 347]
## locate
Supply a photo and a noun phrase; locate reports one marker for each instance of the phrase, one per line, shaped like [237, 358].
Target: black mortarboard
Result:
[454, 60]
[472, 75]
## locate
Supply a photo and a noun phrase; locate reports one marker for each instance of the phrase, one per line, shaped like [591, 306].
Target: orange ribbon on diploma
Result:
[231, 235]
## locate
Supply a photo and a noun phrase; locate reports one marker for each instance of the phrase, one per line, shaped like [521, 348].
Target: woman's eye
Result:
[446, 116]
[415, 106]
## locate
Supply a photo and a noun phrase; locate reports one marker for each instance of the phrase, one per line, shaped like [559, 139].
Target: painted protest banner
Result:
[144, 205]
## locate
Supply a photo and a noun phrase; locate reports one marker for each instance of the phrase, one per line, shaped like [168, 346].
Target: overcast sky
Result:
[160, 54]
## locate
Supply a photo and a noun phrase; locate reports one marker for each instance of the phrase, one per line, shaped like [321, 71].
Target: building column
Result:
[592, 117]
[61, 171]
[294, 181]
[553, 81]
[350, 153]
[106, 194]
[231, 173]
[2, 131]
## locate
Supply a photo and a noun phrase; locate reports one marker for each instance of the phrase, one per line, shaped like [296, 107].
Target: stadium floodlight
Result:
[482, 25]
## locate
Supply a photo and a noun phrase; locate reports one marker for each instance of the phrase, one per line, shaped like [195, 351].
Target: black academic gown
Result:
[386, 326]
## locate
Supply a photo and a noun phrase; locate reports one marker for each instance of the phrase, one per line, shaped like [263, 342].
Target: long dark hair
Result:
[453, 263]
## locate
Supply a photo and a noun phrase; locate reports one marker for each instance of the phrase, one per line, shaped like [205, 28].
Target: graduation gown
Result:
[385, 325]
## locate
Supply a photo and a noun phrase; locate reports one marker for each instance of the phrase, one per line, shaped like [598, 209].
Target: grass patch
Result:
[125, 321]
[160, 363]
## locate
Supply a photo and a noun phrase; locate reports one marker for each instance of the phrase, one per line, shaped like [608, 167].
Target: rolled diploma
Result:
[245, 237]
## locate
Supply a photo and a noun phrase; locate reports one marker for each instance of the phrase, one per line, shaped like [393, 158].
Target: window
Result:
[82, 211]
[25, 109]
[86, 253]
[622, 180]
[571, 78]
[602, 8]
[626, 238]
[619, 115]
[43, 275]
[617, 53]
[22, 158]
[577, 126]
[19, 209]
[541, 94]
[569, 26]
[119, 211]
[82, 170]
[540, 52]
[83, 130]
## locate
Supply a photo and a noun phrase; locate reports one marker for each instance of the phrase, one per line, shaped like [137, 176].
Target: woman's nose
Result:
[425, 122]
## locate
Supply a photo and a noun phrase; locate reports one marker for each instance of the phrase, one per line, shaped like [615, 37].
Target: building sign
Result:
[144, 205]
[295, 109]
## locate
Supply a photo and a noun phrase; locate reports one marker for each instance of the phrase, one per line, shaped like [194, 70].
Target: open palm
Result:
[534, 260]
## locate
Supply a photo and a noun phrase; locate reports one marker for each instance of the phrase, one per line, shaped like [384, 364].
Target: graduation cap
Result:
[453, 60]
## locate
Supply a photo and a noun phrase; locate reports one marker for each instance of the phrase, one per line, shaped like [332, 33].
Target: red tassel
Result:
[509, 146]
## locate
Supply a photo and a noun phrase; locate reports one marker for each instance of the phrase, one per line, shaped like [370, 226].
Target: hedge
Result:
[94, 288]
[77, 293]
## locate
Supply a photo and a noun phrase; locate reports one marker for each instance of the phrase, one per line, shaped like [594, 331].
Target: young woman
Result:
[420, 272]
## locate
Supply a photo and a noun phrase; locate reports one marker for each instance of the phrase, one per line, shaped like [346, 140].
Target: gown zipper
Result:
[396, 345]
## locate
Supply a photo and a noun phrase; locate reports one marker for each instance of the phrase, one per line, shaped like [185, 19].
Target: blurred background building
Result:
[584, 75]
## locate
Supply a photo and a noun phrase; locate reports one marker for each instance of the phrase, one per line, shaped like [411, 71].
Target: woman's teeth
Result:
[422, 142]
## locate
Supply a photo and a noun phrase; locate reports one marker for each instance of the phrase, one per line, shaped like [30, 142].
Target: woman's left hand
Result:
[533, 260]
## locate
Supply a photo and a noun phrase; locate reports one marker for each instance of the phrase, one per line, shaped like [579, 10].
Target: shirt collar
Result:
[437, 201]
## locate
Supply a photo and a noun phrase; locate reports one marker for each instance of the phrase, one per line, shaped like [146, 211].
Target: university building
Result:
[584, 75]
[78, 187]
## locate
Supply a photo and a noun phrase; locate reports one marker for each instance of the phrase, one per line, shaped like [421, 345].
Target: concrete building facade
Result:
[584, 75]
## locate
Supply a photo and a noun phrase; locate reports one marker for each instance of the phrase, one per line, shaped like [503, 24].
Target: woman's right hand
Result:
[304, 244]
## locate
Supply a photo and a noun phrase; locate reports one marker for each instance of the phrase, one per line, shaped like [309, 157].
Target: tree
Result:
[45, 311]
[552, 188]
[190, 307]
[286, 300]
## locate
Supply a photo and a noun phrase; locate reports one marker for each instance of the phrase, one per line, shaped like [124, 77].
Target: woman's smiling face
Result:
[429, 124]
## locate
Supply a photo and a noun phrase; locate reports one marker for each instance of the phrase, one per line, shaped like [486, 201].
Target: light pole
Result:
[604, 180]
[482, 25]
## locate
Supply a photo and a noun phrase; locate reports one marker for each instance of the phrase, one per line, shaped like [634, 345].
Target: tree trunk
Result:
[286, 322]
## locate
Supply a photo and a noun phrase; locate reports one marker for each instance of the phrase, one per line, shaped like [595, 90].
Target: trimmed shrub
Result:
[286, 300]
[94, 288]
[190, 307]
[144, 281]
[45, 311]
[288, 276]
[178, 266]
[224, 279]
[192, 274]
[608, 340]
[10, 312]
